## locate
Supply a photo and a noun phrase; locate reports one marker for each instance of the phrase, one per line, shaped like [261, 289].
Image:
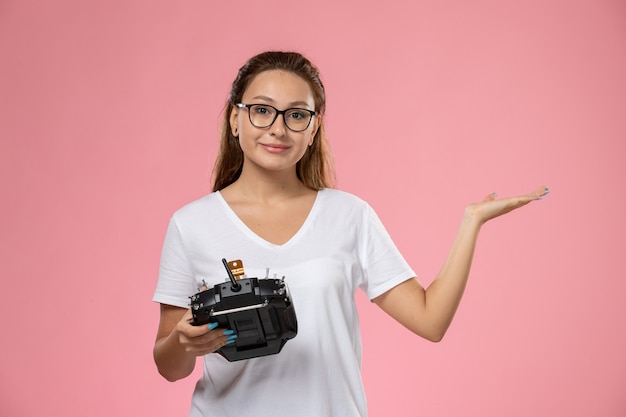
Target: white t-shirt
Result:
[341, 246]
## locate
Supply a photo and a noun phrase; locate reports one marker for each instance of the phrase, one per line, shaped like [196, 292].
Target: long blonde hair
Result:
[315, 169]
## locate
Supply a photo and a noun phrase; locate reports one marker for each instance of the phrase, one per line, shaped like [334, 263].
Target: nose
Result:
[279, 127]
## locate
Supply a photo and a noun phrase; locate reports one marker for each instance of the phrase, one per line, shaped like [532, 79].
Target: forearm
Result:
[443, 295]
[171, 358]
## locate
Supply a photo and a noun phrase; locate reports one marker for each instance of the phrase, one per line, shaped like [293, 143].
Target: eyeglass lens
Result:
[263, 116]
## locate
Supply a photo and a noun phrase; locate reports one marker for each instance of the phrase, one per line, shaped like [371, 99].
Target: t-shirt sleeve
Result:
[176, 281]
[384, 267]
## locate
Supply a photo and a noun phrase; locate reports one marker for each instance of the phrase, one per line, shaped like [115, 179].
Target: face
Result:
[274, 148]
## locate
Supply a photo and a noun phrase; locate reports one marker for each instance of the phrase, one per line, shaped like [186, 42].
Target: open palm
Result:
[492, 207]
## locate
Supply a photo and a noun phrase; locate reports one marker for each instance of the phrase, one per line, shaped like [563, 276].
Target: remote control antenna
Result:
[235, 285]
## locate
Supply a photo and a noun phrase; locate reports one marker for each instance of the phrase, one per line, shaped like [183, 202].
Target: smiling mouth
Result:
[274, 147]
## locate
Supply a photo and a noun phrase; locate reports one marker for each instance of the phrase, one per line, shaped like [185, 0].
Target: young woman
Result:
[273, 207]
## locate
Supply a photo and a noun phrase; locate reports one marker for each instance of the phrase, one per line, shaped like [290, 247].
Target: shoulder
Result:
[343, 203]
[333, 196]
[205, 206]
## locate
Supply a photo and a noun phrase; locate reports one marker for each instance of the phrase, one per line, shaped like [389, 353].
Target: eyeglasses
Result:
[264, 115]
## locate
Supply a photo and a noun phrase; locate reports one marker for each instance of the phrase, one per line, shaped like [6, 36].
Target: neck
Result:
[268, 185]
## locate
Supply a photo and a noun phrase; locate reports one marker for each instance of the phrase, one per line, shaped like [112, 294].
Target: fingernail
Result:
[227, 332]
[212, 325]
[232, 337]
[228, 342]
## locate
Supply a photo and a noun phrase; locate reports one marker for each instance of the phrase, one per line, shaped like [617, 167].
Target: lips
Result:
[274, 147]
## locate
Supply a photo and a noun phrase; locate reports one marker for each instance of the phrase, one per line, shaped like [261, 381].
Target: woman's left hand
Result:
[492, 207]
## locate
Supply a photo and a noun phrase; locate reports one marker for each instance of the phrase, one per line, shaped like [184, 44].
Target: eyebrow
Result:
[271, 100]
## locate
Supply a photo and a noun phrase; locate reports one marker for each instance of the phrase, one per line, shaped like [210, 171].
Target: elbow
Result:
[435, 338]
[170, 376]
[436, 330]
[434, 334]
[170, 370]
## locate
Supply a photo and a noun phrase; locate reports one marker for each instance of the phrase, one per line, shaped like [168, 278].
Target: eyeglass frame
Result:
[278, 112]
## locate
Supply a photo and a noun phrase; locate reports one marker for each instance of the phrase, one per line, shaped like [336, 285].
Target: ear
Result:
[234, 121]
[316, 126]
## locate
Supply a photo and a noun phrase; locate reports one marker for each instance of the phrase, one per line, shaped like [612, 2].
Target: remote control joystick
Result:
[236, 287]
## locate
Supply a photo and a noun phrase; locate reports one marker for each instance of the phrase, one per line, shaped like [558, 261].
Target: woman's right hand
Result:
[178, 342]
[204, 339]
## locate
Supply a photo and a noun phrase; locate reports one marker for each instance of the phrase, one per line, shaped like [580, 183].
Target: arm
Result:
[429, 312]
[178, 343]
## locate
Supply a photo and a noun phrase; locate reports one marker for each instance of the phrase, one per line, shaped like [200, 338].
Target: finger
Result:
[186, 327]
[537, 194]
[542, 191]
[491, 197]
[212, 347]
[220, 335]
[210, 342]
[195, 343]
[205, 348]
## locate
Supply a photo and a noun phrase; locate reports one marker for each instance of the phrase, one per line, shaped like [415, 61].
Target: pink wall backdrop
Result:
[109, 114]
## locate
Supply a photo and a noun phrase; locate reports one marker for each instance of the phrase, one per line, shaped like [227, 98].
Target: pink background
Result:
[109, 113]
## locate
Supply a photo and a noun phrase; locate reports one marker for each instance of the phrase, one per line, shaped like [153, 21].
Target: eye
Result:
[261, 110]
[298, 114]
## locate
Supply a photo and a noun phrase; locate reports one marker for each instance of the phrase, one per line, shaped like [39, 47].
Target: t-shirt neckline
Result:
[258, 239]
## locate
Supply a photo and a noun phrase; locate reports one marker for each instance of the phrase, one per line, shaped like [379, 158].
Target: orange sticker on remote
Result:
[236, 267]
